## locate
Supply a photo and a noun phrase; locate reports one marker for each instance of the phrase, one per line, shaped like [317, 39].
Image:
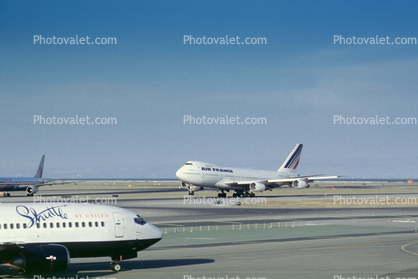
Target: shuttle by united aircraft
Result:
[41, 238]
[195, 176]
[28, 184]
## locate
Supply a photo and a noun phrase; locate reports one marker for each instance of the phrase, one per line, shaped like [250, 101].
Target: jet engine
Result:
[257, 187]
[30, 190]
[191, 187]
[300, 184]
[42, 259]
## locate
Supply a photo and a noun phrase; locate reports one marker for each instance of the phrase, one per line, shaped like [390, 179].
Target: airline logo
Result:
[35, 217]
[294, 160]
[217, 170]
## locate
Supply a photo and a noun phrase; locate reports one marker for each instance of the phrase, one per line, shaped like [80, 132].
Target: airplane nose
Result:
[179, 174]
[157, 232]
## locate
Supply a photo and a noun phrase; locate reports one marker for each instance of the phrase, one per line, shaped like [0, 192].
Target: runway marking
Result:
[403, 248]
[378, 244]
[368, 255]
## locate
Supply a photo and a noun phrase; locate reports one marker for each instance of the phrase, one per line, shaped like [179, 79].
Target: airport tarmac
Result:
[215, 239]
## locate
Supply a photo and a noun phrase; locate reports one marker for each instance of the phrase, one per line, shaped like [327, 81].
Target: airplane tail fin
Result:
[40, 168]
[292, 161]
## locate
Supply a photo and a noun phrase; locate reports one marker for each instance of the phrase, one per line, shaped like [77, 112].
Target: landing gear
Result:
[115, 266]
[243, 194]
[222, 195]
[238, 194]
[191, 193]
[6, 194]
[29, 195]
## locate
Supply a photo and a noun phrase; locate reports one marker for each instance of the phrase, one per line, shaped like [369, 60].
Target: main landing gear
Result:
[6, 194]
[115, 266]
[222, 195]
[191, 193]
[243, 194]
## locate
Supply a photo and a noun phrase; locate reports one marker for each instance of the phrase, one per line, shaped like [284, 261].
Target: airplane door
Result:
[118, 219]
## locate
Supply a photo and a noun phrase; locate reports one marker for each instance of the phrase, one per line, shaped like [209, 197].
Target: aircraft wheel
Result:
[115, 266]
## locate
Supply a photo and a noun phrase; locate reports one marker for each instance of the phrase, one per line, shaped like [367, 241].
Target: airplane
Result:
[195, 176]
[28, 184]
[41, 238]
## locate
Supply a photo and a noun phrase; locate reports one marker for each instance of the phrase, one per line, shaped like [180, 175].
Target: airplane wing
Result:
[307, 178]
[54, 183]
[241, 182]
[282, 180]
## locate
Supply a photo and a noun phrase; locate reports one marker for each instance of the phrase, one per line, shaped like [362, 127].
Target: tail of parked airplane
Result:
[292, 161]
[40, 168]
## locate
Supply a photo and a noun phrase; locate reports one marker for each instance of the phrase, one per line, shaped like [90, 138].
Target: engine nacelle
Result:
[257, 187]
[300, 184]
[191, 187]
[30, 190]
[42, 259]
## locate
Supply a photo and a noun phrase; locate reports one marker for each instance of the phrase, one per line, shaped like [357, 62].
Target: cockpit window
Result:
[139, 220]
[188, 164]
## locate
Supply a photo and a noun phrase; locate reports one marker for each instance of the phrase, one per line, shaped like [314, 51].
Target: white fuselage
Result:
[80, 227]
[207, 175]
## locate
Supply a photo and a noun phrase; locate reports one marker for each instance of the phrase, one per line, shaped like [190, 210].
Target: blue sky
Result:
[150, 79]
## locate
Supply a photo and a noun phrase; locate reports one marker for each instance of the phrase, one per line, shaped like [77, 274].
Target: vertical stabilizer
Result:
[292, 161]
[40, 168]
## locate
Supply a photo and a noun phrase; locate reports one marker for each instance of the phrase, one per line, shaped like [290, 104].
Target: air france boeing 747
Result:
[195, 176]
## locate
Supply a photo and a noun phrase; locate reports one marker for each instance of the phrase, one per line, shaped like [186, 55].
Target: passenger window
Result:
[11, 226]
[38, 225]
[51, 225]
[24, 226]
[5, 226]
[63, 224]
[58, 225]
[45, 226]
[103, 224]
[17, 226]
[70, 225]
[76, 224]
[83, 224]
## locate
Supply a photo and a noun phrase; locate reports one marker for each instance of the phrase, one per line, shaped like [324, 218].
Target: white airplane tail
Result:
[40, 168]
[292, 161]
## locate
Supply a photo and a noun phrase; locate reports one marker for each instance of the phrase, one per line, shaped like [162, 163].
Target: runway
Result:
[223, 240]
